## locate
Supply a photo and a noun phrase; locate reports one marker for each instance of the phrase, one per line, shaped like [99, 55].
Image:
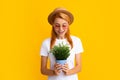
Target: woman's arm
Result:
[46, 71]
[77, 67]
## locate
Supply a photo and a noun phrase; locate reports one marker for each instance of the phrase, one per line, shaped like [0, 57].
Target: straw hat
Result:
[57, 10]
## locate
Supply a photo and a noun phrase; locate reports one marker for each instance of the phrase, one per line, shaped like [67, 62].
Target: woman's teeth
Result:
[61, 32]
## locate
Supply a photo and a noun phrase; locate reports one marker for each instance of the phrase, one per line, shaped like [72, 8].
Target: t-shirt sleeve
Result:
[44, 50]
[78, 46]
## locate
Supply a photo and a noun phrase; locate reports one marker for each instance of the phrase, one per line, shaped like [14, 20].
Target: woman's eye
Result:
[64, 25]
[57, 26]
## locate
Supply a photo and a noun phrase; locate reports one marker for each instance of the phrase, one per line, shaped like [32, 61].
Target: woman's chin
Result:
[61, 35]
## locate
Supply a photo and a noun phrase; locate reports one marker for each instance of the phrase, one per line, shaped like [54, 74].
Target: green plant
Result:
[61, 51]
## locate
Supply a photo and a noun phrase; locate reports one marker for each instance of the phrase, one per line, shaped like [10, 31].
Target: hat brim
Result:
[62, 11]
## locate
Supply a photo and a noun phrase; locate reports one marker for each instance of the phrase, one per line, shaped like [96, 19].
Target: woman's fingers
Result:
[65, 68]
[57, 68]
[57, 71]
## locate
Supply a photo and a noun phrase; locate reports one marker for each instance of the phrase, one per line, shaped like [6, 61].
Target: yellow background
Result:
[24, 26]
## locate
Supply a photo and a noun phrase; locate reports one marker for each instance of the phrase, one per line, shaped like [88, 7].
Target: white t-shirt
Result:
[77, 48]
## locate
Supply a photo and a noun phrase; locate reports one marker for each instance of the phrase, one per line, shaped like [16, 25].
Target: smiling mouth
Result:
[61, 32]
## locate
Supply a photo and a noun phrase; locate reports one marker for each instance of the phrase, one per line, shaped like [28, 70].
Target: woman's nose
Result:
[61, 28]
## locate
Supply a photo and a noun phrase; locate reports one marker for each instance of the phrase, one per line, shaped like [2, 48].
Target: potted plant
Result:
[61, 53]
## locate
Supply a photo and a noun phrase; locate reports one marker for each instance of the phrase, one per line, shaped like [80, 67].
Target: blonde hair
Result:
[54, 35]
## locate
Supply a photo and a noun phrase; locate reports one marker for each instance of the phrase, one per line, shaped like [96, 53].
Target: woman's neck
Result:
[61, 37]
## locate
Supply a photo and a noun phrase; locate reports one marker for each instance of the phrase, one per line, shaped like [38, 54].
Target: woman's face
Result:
[61, 27]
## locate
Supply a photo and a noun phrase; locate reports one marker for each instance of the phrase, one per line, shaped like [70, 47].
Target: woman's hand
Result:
[57, 68]
[65, 68]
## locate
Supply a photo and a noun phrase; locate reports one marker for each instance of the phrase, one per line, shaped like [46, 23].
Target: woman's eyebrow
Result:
[56, 22]
[64, 23]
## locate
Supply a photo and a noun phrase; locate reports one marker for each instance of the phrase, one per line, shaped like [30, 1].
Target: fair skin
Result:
[60, 26]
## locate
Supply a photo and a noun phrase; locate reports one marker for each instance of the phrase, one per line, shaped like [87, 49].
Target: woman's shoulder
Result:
[47, 40]
[75, 38]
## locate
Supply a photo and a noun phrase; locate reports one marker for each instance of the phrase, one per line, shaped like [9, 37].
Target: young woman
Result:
[60, 20]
